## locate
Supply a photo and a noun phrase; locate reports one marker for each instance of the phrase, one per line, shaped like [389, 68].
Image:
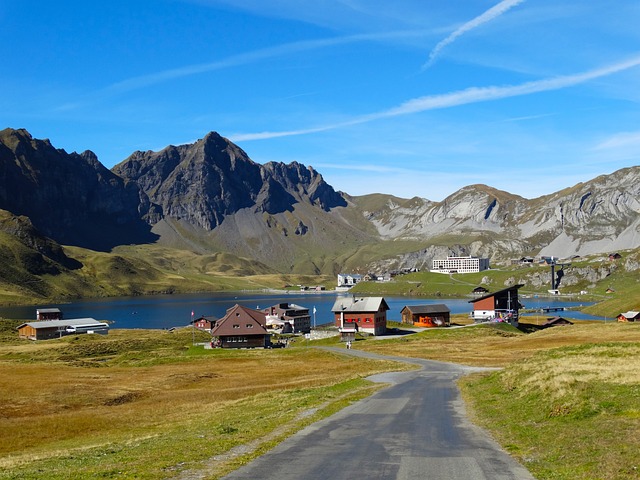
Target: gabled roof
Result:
[354, 304]
[208, 318]
[73, 322]
[488, 295]
[48, 310]
[556, 321]
[241, 320]
[433, 308]
[630, 314]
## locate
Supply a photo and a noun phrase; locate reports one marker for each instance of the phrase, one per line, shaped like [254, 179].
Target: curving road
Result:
[414, 429]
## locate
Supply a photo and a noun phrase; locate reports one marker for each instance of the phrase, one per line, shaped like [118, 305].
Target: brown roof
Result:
[241, 320]
[434, 308]
[499, 292]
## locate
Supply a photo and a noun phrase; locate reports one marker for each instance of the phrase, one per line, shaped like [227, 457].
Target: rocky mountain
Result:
[207, 181]
[71, 198]
[210, 197]
[213, 197]
[599, 216]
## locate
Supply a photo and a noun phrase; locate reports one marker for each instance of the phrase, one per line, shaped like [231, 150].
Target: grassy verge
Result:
[148, 404]
[570, 413]
[566, 404]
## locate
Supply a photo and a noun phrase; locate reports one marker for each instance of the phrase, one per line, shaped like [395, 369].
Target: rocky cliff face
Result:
[71, 198]
[205, 182]
[593, 217]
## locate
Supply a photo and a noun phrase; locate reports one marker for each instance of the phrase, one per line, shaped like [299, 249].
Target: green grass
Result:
[570, 413]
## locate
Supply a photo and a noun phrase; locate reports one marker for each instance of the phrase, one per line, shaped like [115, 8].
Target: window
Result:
[235, 325]
[249, 325]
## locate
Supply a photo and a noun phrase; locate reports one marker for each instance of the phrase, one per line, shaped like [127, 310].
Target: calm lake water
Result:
[166, 311]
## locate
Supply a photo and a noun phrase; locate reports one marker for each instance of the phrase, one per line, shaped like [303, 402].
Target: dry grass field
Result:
[149, 404]
[499, 345]
[566, 404]
[146, 404]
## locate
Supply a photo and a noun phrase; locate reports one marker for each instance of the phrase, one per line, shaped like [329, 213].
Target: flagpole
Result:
[193, 330]
[314, 317]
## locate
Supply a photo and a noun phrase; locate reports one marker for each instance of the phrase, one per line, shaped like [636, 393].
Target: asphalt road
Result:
[414, 429]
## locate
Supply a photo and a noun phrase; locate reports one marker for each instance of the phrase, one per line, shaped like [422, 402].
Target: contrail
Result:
[487, 16]
[460, 97]
[253, 56]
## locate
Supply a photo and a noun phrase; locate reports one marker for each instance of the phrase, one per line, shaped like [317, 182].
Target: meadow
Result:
[151, 404]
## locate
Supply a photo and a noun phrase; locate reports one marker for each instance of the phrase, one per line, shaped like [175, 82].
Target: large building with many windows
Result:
[460, 265]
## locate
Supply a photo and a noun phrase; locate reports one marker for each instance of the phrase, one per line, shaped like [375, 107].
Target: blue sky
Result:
[405, 97]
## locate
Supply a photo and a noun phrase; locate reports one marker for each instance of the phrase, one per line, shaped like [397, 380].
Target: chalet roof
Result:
[499, 292]
[208, 318]
[48, 310]
[630, 314]
[241, 320]
[556, 321]
[359, 304]
[433, 308]
[73, 322]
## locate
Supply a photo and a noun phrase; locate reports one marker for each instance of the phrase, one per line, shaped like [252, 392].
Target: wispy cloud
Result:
[457, 98]
[620, 140]
[491, 14]
[255, 56]
[246, 58]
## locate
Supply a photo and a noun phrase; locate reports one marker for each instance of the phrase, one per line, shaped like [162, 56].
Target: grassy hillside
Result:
[140, 270]
[614, 286]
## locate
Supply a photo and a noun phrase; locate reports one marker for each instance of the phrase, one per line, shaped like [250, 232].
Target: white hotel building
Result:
[460, 265]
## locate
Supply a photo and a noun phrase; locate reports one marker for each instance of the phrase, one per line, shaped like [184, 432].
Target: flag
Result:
[191, 313]
[314, 310]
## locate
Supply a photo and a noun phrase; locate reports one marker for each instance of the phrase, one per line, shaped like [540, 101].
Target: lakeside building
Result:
[241, 327]
[296, 316]
[48, 314]
[363, 314]
[348, 280]
[431, 315]
[48, 329]
[500, 306]
[460, 265]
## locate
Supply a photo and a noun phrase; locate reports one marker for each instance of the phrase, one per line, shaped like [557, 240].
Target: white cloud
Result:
[458, 98]
[620, 140]
[489, 15]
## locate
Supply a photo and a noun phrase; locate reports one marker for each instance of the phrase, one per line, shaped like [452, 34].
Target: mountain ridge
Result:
[209, 196]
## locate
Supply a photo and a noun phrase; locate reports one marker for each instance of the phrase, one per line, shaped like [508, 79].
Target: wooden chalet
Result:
[48, 329]
[363, 314]
[629, 317]
[241, 327]
[500, 306]
[205, 322]
[48, 314]
[436, 315]
[295, 315]
[556, 322]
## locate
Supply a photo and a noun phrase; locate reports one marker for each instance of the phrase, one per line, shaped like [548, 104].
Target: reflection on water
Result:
[166, 311]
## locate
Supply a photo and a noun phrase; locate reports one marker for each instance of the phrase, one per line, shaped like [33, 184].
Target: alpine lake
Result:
[177, 310]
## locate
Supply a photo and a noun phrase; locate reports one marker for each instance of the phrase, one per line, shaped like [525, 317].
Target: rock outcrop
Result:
[205, 182]
[69, 197]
